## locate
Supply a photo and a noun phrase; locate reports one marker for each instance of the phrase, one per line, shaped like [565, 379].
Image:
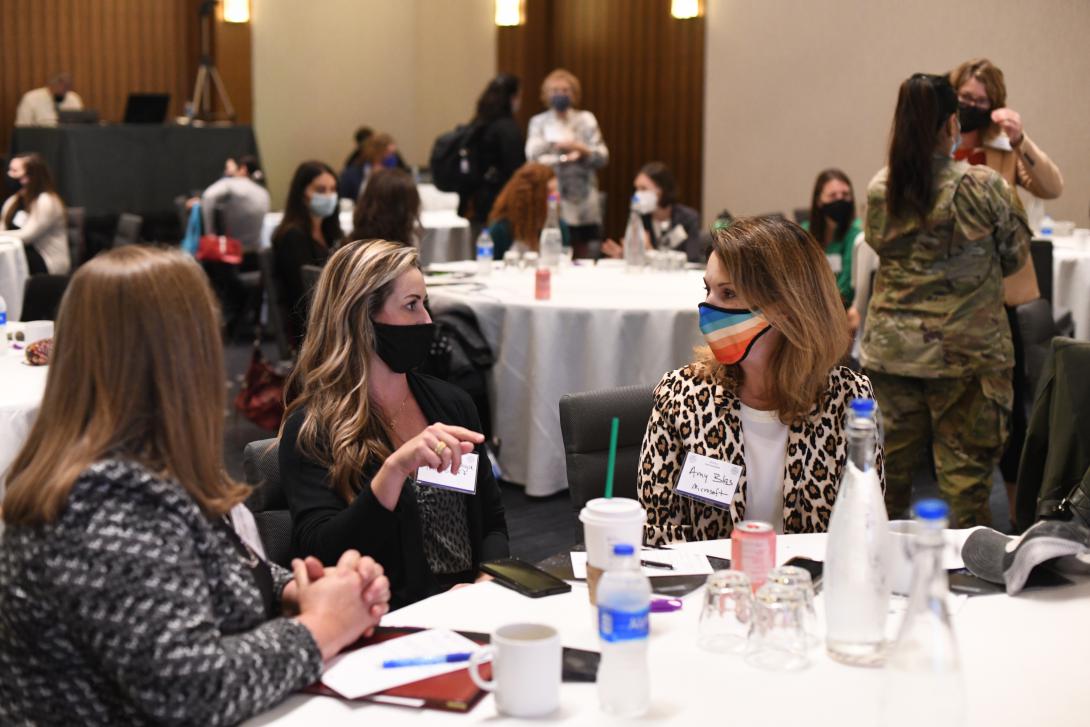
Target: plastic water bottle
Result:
[3, 326]
[857, 550]
[923, 671]
[635, 256]
[486, 253]
[624, 609]
[551, 242]
[1047, 225]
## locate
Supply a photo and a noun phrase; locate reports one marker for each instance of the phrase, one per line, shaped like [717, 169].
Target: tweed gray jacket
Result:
[133, 608]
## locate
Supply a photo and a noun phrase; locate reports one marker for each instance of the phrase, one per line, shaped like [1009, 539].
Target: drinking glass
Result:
[793, 576]
[777, 637]
[728, 611]
[512, 259]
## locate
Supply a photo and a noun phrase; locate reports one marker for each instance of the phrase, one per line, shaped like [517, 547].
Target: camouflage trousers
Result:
[960, 424]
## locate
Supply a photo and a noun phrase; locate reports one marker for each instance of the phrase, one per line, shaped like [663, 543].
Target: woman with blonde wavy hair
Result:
[766, 396]
[360, 422]
[125, 596]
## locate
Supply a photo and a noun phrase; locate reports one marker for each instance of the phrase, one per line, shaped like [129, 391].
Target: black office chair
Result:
[276, 310]
[801, 214]
[128, 230]
[585, 426]
[311, 273]
[261, 467]
[42, 297]
[77, 218]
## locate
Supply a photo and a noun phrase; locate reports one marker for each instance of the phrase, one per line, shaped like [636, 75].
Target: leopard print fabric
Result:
[694, 413]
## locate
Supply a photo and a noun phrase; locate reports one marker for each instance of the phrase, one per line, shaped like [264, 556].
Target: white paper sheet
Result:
[464, 480]
[684, 563]
[360, 672]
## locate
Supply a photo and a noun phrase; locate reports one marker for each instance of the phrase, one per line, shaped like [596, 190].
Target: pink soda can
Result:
[753, 550]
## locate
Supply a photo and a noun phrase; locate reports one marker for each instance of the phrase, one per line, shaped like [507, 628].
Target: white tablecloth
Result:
[13, 275]
[1022, 662]
[446, 235]
[602, 328]
[1071, 281]
[21, 389]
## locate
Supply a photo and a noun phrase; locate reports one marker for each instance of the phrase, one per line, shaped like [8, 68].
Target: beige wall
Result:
[794, 87]
[322, 68]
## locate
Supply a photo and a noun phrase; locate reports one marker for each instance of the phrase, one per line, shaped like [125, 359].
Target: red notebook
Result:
[450, 692]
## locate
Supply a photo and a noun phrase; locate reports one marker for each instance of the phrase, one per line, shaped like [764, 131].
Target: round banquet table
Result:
[13, 275]
[602, 328]
[21, 389]
[1071, 281]
[1021, 661]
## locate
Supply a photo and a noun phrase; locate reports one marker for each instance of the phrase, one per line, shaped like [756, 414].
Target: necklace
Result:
[391, 423]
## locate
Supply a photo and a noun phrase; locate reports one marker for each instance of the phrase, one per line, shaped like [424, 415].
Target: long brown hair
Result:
[296, 210]
[817, 217]
[341, 430]
[781, 270]
[137, 372]
[389, 208]
[523, 202]
[990, 77]
[924, 104]
[39, 182]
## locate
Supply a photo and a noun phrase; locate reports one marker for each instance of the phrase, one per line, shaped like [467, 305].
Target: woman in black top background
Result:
[359, 423]
[305, 236]
[499, 145]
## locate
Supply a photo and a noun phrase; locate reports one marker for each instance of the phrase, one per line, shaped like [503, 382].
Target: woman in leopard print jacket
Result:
[768, 395]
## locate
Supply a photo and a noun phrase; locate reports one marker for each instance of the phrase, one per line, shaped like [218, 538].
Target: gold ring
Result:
[439, 448]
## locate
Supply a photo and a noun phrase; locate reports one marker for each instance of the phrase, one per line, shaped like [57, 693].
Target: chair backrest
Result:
[801, 214]
[1041, 252]
[585, 425]
[128, 229]
[276, 310]
[42, 297]
[77, 218]
[1037, 328]
[311, 273]
[261, 469]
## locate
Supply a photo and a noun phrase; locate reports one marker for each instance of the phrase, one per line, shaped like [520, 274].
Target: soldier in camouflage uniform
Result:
[937, 345]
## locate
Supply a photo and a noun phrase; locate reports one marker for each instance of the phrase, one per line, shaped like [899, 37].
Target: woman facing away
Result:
[125, 596]
[360, 423]
[767, 395]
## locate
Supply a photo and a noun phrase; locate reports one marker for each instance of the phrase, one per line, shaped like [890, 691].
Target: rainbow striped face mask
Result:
[731, 332]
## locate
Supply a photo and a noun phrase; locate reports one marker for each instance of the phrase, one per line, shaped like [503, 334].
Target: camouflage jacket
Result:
[937, 306]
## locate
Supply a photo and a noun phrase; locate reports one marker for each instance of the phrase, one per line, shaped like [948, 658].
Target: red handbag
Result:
[219, 249]
[261, 398]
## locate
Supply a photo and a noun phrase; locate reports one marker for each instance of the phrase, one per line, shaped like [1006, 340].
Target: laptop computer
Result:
[82, 116]
[146, 108]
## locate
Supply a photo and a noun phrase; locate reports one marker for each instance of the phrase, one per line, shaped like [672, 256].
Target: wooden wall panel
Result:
[642, 74]
[113, 48]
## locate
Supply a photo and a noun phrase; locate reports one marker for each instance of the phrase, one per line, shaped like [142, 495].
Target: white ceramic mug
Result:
[526, 668]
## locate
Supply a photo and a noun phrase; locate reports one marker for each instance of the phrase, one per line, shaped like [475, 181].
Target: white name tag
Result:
[676, 236]
[464, 480]
[835, 262]
[709, 480]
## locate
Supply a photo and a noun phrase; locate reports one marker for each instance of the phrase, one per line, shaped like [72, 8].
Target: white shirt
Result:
[37, 107]
[765, 440]
[43, 227]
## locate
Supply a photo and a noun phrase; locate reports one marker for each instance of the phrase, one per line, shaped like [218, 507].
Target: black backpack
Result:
[455, 163]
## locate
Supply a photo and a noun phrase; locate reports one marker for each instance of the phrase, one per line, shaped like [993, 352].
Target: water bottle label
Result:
[615, 625]
[3, 317]
[485, 250]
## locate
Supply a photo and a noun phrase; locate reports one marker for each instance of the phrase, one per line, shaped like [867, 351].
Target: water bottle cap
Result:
[931, 509]
[623, 549]
[863, 407]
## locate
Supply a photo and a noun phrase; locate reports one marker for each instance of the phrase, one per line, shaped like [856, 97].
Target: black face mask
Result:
[403, 348]
[840, 211]
[972, 118]
[59, 98]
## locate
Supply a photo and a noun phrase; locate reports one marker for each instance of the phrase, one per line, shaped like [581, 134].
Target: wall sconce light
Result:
[510, 13]
[686, 9]
[236, 11]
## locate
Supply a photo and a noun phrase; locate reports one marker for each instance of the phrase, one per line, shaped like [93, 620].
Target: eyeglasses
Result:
[976, 103]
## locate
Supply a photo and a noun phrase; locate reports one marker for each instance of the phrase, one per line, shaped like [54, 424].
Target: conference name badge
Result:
[464, 480]
[709, 480]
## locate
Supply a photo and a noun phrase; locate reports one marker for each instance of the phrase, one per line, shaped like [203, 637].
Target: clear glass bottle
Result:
[551, 241]
[635, 253]
[923, 682]
[857, 550]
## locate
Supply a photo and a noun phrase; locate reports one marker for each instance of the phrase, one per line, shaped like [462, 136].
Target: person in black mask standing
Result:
[360, 422]
[834, 225]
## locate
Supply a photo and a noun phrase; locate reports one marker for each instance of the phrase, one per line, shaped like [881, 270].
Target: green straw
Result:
[612, 456]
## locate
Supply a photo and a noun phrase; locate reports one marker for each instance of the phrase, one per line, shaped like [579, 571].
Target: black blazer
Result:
[324, 525]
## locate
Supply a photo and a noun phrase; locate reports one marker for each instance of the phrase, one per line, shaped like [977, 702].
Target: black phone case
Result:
[506, 573]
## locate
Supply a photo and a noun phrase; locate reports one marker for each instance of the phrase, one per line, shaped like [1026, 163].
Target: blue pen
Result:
[428, 660]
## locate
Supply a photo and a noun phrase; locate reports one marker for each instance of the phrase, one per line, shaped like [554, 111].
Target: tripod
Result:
[208, 77]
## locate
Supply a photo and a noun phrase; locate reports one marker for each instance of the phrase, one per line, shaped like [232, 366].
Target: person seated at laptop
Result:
[39, 107]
